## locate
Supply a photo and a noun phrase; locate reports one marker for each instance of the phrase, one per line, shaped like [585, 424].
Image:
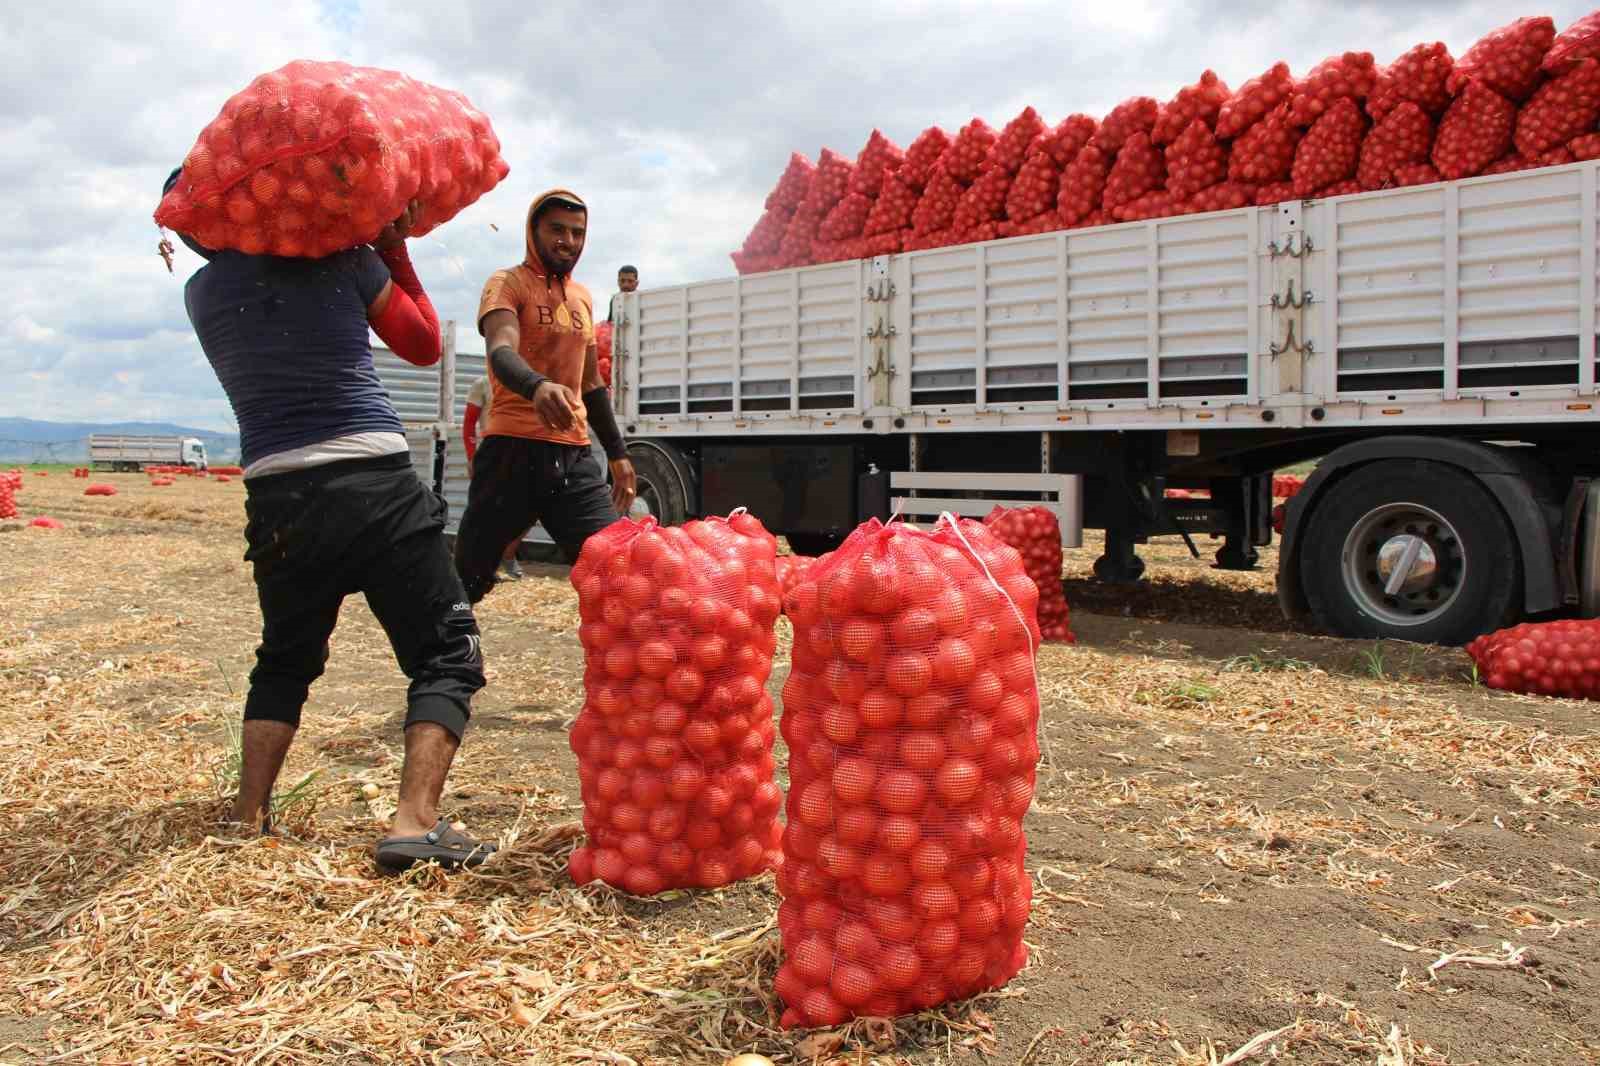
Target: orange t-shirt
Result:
[557, 322]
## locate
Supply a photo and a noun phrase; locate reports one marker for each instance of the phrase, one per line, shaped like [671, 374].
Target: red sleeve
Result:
[408, 324]
[469, 430]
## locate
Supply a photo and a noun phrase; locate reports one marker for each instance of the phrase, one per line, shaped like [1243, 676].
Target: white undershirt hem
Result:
[354, 446]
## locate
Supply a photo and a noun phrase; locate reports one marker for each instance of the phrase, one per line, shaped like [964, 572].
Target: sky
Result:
[672, 120]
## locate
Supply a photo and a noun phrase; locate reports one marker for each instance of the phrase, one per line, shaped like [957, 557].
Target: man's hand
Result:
[555, 404]
[396, 232]
[623, 486]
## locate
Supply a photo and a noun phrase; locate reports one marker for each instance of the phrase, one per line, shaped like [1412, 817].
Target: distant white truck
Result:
[118, 451]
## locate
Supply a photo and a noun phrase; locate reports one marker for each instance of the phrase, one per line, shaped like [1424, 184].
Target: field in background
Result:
[1247, 841]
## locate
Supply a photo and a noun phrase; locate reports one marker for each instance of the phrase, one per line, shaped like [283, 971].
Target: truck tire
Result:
[1410, 550]
[663, 482]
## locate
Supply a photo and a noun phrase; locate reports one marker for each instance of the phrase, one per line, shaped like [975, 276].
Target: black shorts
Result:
[359, 525]
[517, 482]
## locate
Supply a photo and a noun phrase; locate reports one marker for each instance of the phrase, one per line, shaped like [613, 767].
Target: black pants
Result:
[368, 526]
[517, 482]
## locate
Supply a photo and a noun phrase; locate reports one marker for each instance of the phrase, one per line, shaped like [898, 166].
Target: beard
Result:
[554, 262]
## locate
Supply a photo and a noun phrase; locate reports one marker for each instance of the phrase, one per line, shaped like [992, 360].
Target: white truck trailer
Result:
[118, 451]
[1433, 347]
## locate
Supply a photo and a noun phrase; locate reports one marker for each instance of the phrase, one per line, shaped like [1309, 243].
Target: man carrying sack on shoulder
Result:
[534, 463]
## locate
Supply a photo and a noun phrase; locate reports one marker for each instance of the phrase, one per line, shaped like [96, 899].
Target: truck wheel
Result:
[663, 482]
[1410, 550]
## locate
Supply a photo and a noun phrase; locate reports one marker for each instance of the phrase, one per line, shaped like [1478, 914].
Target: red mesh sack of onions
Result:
[1507, 59]
[879, 156]
[1349, 76]
[966, 156]
[911, 715]
[793, 185]
[1036, 533]
[674, 742]
[1542, 658]
[317, 157]
[602, 343]
[1200, 101]
[1254, 100]
[8, 498]
[1421, 77]
[929, 147]
[1560, 109]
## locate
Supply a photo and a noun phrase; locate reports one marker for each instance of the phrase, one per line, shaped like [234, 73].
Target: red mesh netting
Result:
[1035, 190]
[1573, 45]
[1200, 101]
[793, 184]
[1542, 658]
[1331, 149]
[8, 498]
[100, 490]
[1082, 184]
[1195, 160]
[1421, 77]
[1224, 196]
[1254, 99]
[1011, 148]
[984, 201]
[879, 156]
[1265, 152]
[674, 742]
[1036, 533]
[892, 210]
[911, 716]
[1349, 76]
[1402, 138]
[1137, 114]
[316, 157]
[929, 147]
[1063, 143]
[1475, 132]
[937, 208]
[602, 343]
[1560, 109]
[1508, 59]
[966, 156]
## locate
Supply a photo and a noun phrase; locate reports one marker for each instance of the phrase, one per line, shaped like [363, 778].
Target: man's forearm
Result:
[597, 405]
[513, 372]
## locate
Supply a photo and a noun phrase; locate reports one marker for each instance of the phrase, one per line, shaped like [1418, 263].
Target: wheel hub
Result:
[1403, 564]
[1407, 564]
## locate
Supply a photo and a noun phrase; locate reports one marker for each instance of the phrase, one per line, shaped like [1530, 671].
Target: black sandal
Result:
[443, 844]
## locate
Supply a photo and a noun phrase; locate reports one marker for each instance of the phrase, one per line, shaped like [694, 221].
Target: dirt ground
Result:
[1249, 844]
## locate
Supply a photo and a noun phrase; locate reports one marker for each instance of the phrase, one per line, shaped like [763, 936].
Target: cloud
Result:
[672, 120]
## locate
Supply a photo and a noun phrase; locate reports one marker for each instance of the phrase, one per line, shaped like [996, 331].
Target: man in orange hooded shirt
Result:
[534, 464]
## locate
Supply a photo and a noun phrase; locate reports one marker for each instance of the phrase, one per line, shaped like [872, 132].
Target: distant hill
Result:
[30, 440]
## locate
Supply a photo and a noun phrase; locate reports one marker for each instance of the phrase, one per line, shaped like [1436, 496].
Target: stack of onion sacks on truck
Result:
[1521, 97]
[911, 715]
[674, 742]
[317, 157]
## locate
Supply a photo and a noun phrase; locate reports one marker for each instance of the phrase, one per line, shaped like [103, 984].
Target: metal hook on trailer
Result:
[1290, 248]
[1290, 344]
[881, 292]
[1288, 300]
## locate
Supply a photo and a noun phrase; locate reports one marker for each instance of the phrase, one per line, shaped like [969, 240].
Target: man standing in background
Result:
[627, 281]
[535, 464]
[479, 397]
